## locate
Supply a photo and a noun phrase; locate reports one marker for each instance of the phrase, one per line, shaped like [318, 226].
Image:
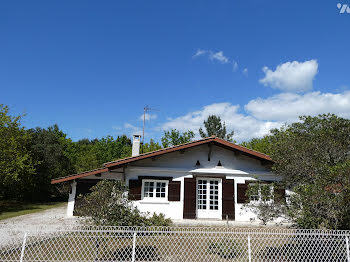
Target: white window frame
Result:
[259, 198]
[154, 198]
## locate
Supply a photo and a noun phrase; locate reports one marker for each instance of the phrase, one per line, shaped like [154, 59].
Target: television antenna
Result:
[145, 110]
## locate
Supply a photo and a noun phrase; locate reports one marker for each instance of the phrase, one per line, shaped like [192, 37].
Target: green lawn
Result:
[10, 209]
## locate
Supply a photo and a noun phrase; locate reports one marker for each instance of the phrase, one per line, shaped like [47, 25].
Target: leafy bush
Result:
[266, 201]
[107, 204]
[226, 248]
[298, 250]
[142, 253]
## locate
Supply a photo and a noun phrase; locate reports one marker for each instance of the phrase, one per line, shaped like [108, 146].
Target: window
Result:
[202, 194]
[148, 189]
[260, 192]
[254, 198]
[154, 189]
[214, 195]
[254, 192]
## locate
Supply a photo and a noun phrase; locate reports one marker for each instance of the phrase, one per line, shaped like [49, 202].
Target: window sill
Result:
[154, 202]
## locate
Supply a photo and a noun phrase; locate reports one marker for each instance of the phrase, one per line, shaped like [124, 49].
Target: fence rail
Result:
[81, 243]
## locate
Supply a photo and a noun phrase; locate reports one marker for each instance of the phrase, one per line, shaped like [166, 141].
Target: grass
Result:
[10, 209]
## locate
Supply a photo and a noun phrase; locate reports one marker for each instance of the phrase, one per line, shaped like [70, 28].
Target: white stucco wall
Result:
[171, 209]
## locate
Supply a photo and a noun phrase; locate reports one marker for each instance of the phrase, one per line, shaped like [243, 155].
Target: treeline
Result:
[30, 158]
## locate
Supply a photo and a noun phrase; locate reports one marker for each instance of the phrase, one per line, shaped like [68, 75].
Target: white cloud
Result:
[129, 126]
[219, 56]
[287, 106]
[133, 129]
[262, 115]
[235, 66]
[148, 116]
[213, 56]
[244, 126]
[199, 53]
[291, 76]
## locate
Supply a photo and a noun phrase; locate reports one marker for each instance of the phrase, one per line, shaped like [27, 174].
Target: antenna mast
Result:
[145, 110]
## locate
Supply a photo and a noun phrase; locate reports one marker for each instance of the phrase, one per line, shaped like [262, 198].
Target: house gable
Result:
[186, 154]
[203, 156]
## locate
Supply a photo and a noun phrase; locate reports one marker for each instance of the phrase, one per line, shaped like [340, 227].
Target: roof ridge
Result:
[159, 150]
[245, 147]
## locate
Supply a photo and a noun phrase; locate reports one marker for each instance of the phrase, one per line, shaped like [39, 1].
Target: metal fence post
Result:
[249, 250]
[347, 248]
[23, 247]
[133, 247]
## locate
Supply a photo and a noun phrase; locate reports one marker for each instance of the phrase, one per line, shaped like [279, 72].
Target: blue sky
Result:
[91, 66]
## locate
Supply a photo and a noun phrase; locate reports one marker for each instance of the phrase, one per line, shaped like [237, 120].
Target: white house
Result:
[204, 179]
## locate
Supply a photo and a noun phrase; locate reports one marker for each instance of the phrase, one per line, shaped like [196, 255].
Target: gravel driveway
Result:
[53, 217]
[12, 229]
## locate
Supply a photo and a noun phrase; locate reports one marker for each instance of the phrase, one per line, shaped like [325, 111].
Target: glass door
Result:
[209, 198]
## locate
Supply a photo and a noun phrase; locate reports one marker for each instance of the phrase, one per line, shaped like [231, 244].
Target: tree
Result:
[48, 151]
[151, 146]
[88, 154]
[109, 149]
[215, 127]
[313, 157]
[16, 164]
[82, 155]
[174, 137]
[263, 145]
[305, 150]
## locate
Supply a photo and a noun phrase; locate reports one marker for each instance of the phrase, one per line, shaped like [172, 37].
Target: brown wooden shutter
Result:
[174, 189]
[228, 201]
[135, 189]
[190, 198]
[241, 193]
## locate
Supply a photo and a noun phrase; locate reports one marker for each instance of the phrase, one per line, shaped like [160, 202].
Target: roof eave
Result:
[81, 175]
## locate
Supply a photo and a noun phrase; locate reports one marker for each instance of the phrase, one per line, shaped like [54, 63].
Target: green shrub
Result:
[225, 248]
[142, 253]
[108, 205]
[298, 250]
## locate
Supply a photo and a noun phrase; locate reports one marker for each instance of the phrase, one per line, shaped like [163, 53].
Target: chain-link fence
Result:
[171, 244]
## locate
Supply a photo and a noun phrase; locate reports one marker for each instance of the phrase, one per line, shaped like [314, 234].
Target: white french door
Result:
[209, 198]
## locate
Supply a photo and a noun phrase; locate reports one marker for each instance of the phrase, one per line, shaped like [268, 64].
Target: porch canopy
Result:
[218, 170]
